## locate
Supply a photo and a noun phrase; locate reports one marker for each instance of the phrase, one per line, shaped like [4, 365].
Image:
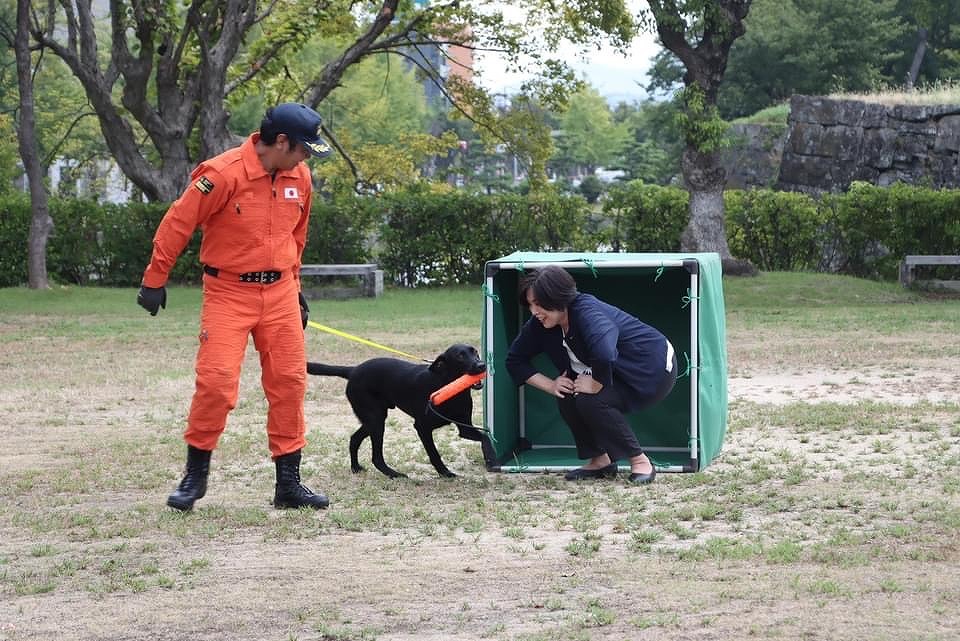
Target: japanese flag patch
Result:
[204, 185]
[291, 193]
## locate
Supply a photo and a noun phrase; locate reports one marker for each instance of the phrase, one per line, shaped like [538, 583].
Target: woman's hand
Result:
[563, 386]
[586, 384]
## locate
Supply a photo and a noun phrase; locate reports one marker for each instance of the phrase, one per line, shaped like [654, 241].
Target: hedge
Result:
[645, 218]
[444, 238]
[422, 236]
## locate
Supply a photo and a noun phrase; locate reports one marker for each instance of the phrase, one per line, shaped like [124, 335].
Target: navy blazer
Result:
[608, 340]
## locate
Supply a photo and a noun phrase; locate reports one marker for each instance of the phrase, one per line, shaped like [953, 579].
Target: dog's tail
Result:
[321, 369]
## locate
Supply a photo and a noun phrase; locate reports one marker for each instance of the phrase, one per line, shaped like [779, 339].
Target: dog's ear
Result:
[439, 365]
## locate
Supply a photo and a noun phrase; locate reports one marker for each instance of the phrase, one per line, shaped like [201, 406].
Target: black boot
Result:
[289, 491]
[194, 483]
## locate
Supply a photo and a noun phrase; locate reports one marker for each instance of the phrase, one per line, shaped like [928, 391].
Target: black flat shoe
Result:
[642, 479]
[608, 472]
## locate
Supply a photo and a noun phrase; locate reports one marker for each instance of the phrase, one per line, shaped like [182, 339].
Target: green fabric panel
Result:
[712, 358]
[657, 294]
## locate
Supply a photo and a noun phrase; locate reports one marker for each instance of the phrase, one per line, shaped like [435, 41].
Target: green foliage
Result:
[819, 47]
[9, 156]
[340, 228]
[645, 218]
[109, 244]
[383, 167]
[445, 238]
[66, 126]
[286, 31]
[379, 102]
[864, 232]
[657, 142]
[73, 250]
[587, 20]
[774, 115]
[810, 47]
[127, 237]
[700, 121]
[378, 115]
[778, 231]
[428, 235]
[522, 127]
[14, 230]
[941, 60]
[874, 227]
[91, 243]
[590, 188]
[589, 136]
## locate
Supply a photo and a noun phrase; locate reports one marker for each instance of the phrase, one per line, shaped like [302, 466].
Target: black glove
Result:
[304, 310]
[152, 299]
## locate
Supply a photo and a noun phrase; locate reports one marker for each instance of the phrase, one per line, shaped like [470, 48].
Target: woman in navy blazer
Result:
[610, 363]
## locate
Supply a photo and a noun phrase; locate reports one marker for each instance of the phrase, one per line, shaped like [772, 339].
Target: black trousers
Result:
[599, 424]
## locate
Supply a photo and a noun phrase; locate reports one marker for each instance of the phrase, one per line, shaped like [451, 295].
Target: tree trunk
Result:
[706, 231]
[705, 63]
[704, 179]
[41, 224]
[918, 54]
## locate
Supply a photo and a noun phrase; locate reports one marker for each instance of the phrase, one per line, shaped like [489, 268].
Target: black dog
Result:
[380, 384]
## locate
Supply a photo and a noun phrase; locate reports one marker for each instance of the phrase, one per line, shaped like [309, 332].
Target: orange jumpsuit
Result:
[250, 223]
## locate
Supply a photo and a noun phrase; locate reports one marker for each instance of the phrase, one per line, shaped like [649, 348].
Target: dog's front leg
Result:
[469, 432]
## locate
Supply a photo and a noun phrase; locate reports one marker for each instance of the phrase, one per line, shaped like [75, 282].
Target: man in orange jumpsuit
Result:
[252, 204]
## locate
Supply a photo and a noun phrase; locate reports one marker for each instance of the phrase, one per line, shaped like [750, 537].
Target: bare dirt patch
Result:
[846, 386]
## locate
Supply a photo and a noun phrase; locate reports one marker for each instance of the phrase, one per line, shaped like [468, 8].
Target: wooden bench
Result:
[371, 280]
[909, 264]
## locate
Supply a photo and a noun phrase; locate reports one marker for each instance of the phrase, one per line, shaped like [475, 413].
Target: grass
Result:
[812, 510]
[940, 93]
[776, 115]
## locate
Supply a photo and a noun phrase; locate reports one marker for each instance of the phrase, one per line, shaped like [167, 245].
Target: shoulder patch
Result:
[204, 185]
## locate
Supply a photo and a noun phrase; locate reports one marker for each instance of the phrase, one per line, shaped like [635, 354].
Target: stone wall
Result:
[831, 143]
[753, 160]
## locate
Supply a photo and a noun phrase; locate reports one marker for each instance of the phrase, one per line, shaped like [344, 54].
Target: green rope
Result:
[686, 372]
[659, 273]
[589, 263]
[520, 266]
[521, 466]
[490, 294]
[688, 299]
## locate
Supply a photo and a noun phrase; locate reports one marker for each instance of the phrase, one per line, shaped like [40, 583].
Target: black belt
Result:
[265, 277]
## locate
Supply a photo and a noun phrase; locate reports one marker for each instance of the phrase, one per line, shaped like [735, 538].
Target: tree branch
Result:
[434, 76]
[51, 156]
[333, 71]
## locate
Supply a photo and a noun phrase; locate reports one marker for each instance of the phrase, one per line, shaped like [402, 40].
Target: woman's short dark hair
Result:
[553, 287]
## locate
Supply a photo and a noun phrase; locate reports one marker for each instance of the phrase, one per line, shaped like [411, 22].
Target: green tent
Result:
[679, 294]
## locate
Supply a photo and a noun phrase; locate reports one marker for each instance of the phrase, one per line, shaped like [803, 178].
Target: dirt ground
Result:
[851, 386]
[809, 544]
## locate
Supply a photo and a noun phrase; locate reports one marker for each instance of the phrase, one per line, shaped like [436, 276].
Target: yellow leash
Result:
[337, 332]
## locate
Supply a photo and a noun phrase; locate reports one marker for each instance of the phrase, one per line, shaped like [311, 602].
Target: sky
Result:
[617, 77]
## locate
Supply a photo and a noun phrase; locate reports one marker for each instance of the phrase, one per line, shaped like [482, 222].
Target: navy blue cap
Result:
[300, 123]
